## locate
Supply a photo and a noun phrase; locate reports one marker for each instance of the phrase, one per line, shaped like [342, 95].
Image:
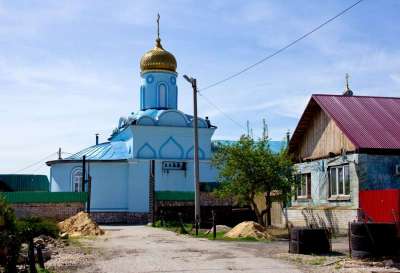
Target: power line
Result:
[35, 163]
[222, 112]
[35, 171]
[283, 48]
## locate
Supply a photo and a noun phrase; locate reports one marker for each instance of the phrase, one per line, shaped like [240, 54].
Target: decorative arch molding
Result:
[146, 120]
[173, 118]
[171, 149]
[146, 151]
[190, 153]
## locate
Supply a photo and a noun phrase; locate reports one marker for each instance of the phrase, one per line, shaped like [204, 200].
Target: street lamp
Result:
[193, 82]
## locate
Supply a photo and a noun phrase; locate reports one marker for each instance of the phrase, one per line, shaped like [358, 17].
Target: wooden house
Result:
[347, 154]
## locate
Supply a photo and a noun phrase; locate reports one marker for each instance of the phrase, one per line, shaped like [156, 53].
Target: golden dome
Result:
[158, 59]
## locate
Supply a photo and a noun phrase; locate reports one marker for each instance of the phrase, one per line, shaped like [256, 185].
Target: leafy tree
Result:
[249, 167]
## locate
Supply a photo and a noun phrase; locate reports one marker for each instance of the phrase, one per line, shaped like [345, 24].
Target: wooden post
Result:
[83, 172]
[349, 236]
[40, 257]
[31, 256]
[89, 193]
[214, 225]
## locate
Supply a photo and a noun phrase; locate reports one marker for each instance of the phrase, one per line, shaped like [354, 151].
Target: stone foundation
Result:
[57, 211]
[133, 218]
[336, 218]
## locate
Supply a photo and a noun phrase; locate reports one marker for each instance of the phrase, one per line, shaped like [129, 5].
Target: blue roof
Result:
[275, 145]
[115, 150]
[155, 116]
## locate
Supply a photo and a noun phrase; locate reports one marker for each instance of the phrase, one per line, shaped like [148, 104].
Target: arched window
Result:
[76, 179]
[162, 96]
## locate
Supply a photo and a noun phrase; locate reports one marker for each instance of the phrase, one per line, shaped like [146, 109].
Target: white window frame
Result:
[76, 179]
[342, 176]
[303, 187]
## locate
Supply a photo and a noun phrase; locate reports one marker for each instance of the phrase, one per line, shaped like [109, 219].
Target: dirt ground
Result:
[145, 249]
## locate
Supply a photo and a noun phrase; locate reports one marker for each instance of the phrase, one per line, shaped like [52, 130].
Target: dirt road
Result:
[144, 249]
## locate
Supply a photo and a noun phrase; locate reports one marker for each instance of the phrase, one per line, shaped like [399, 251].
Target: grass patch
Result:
[41, 270]
[203, 233]
[209, 235]
[74, 241]
[220, 236]
[317, 261]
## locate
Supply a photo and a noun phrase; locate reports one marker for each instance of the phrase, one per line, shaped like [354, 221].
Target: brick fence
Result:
[57, 211]
[122, 217]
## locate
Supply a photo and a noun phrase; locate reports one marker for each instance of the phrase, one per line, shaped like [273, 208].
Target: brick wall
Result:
[335, 218]
[120, 217]
[57, 211]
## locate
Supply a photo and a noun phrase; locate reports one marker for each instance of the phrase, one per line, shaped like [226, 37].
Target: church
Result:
[159, 133]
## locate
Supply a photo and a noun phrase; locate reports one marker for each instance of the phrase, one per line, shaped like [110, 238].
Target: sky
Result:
[70, 69]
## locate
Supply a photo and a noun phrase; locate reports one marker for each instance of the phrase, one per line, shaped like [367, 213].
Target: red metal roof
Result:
[369, 122]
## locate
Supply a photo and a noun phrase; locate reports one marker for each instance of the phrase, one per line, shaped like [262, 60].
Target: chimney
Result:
[97, 139]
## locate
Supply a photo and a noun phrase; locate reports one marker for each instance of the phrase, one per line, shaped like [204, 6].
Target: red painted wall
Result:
[379, 204]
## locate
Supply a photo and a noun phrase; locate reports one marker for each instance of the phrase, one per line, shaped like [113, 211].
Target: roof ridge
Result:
[357, 96]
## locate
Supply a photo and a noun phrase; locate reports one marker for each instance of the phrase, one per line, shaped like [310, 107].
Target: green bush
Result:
[31, 227]
[15, 232]
[9, 240]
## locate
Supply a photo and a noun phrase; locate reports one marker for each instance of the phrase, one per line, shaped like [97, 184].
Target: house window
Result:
[76, 179]
[339, 180]
[162, 96]
[304, 186]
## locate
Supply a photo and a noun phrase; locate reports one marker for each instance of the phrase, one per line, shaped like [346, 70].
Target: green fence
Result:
[44, 197]
[174, 195]
[24, 182]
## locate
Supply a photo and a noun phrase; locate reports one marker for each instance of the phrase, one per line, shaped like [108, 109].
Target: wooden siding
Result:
[322, 137]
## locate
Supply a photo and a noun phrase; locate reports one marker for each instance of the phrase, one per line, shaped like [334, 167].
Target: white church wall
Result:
[170, 143]
[208, 173]
[109, 183]
[173, 180]
[60, 178]
[109, 186]
[138, 186]
[182, 180]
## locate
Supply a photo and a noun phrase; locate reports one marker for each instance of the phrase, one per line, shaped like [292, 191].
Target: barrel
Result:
[373, 239]
[309, 241]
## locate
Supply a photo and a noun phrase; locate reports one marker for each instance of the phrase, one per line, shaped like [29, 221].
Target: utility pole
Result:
[152, 200]
[193, 82]
[89, 190]
[83, 173]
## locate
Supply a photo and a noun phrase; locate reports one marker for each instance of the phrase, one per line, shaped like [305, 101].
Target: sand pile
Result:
[80, 225]
[248, 229]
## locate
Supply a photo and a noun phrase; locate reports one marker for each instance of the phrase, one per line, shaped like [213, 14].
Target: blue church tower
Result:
[158, 89]
[157, 132]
